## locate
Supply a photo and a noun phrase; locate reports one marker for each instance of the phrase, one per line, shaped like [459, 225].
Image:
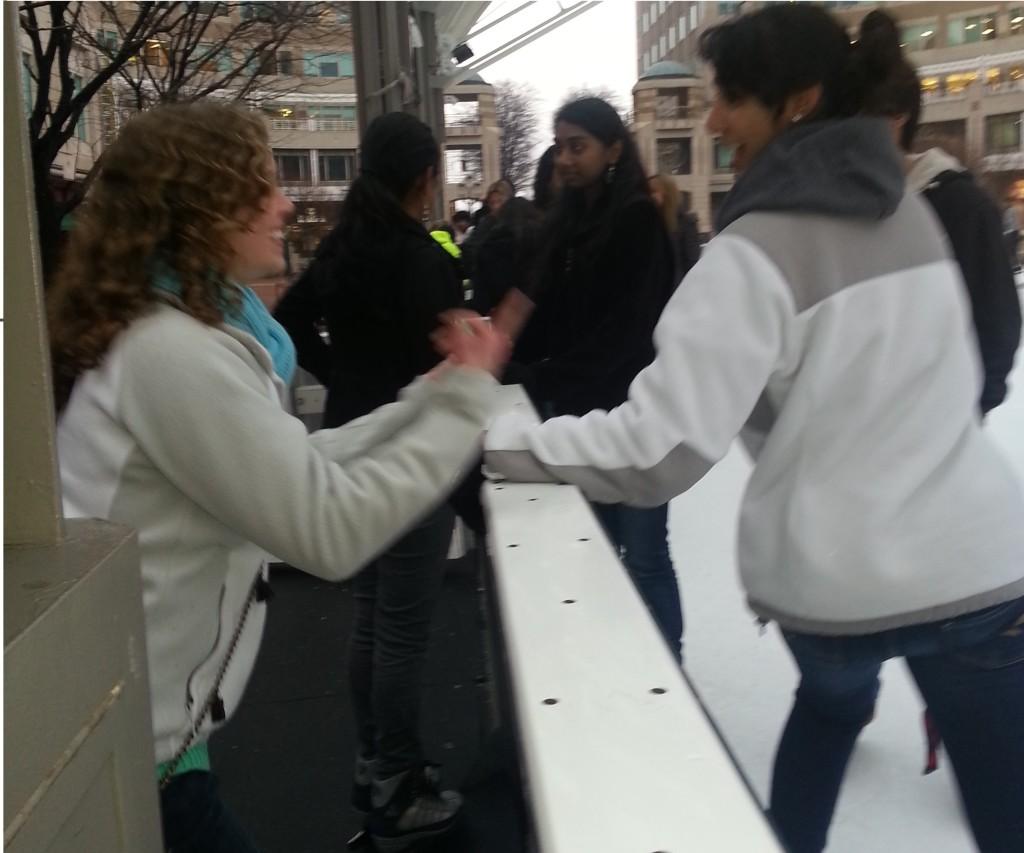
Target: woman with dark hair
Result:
[604, 276]
[507, 257]
[680, 223]
[170, 376]
[967, 213]
[546, 182]
[826, 326]
[381, 281]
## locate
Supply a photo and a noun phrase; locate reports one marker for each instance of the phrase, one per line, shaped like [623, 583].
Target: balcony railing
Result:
[1005, 86]
[462, 129]
[313, 124]
[943, 97]
[676, 113]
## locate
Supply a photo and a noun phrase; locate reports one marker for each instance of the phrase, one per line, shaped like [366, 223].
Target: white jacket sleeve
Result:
[204, 417]
[718, 341]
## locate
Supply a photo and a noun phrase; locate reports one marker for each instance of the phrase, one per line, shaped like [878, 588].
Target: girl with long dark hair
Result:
[381, 281]
[604, 277]
[825, 324]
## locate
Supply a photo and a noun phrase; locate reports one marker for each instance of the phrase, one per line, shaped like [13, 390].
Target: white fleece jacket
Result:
[181, 433]
[843, 353]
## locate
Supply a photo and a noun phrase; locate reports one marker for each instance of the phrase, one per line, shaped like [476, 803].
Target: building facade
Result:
[305, 88]
[969, 55]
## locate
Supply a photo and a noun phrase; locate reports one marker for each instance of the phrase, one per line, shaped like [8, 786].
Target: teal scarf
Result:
[251, 316]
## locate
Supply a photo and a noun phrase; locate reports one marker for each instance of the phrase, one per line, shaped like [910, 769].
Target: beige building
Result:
[472, 154]
[970, 56]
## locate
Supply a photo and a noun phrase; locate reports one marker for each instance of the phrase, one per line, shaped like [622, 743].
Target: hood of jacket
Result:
[842, 167]
[926, 167]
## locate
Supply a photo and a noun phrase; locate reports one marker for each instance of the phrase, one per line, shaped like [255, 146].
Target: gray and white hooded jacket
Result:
[827, 325]
[181, 433]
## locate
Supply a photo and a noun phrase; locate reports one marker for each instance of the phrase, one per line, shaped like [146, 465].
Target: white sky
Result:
[595, 50]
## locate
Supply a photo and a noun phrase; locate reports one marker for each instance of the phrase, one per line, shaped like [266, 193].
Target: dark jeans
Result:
[641, 536]
[195, 820]
[970, 671]
[395, 597]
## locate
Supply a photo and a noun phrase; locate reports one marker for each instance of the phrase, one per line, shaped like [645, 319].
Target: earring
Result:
[609, 175]
[797, 118]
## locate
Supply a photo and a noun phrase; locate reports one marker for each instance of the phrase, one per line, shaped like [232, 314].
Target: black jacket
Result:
[380, 303]
[972, 221]
[686, 243]
[591, 331]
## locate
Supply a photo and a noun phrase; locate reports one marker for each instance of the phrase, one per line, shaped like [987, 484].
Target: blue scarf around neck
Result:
[250, 316]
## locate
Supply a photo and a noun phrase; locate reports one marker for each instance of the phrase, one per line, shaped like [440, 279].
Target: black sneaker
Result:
[409, 807]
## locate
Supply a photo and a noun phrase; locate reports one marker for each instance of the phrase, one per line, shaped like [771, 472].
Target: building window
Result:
[671, 103]
[464, 165]
[957, 83]
[292, 166]
[1016, 20]
[80, 124]
[674, 156]
[727, 9]
[1002, 133]
[694, 12]
[205, 58]
[285, 65]
[645, 22]
[722, 156]
[107, 39]
[972, 28]
[26, 81]
[337, 166]
[672, 40]
[462, 113]
[919, 36]
[663, 45]
[328, 64]
[950, 136]
[154, 54]
[682, 27]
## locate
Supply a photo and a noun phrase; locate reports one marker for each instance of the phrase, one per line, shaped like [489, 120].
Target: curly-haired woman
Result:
[170, 375]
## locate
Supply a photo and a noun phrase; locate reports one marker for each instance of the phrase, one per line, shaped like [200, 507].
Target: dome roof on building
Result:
[474, 79]
[668, 68]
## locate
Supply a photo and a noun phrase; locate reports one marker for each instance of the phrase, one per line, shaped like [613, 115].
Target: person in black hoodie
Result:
[605, 274]
[969, 216]
[381, 281]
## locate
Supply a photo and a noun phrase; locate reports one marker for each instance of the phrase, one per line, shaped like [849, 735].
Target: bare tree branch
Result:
[517, 118]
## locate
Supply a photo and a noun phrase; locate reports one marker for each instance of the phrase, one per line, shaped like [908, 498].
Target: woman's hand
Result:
[467, 339]
[511, 314]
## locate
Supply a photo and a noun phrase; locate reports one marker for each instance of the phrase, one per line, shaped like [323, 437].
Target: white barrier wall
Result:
[618, 754]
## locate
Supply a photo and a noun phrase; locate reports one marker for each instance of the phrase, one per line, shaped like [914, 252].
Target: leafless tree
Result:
[137, 54]
[514, 105]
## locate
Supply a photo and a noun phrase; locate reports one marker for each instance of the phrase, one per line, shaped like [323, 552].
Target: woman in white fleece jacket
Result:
[170, 376]
[827, 325]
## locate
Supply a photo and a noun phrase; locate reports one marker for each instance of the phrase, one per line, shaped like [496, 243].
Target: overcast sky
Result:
[595, 50]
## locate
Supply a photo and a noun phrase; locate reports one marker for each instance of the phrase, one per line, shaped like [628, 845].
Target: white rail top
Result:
[619, 755]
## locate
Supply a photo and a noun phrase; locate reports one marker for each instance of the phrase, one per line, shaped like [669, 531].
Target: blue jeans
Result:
[970, 672]
[641, 536]
[195, 820]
